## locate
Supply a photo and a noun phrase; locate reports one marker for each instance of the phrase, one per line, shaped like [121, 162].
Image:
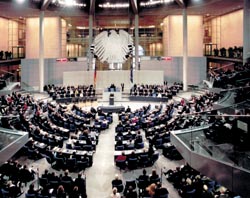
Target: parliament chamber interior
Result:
[125, 98]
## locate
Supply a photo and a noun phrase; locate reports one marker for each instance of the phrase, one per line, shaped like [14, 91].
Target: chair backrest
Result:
[30, 195]
[67, 185]
[119, 187]
[142, 184]
[54, 184]
[131, 183]
[155, 180]
[163, 196]
[43, 181]
[5, 193]
[87, 148]
[71, 161]
[119, 148]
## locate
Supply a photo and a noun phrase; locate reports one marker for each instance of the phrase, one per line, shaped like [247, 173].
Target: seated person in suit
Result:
[32, 190]
[144, 176]
[138, 139]
[131, 193]
[66, 176]
[13, 189]
[45, 174]
[80, 183]
[54, 177]
[117, 181]
[121, 157]
[119, 142]
[153, 176]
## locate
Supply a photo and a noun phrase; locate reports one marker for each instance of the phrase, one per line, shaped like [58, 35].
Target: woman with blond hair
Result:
[115, 194]
[151, 189]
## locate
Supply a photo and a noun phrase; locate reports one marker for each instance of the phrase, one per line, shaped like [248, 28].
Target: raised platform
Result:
[148, 98]
[111, 108]
[75, 99]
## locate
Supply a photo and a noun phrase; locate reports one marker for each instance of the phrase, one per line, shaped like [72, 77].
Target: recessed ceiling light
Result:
[20, 1]
[80, 27]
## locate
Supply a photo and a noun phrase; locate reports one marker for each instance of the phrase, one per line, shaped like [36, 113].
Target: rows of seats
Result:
[71, 93]
[225, 77]
[13, 176]
[155, 90]
[59, 186]
[49, 126]
[227, 130]
[191, 184]
[130, 150]
[144, 186]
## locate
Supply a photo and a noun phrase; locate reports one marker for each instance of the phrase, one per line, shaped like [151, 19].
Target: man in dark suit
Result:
[66, 176]
[81, 184]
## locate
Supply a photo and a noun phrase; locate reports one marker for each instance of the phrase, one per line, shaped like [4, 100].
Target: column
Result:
[90, 56]
[185, 49]
[137, 42]
[41, 51]
[246, 31]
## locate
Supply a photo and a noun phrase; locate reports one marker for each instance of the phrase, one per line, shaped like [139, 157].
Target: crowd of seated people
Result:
[158, 121]
[155, 90]
[62, 185]
[13, 177]
[49, 125]
[191, 183]
[137, 158]
[128, 140]
[238, 76]
[144, 186]
[227, 129]
[67, 92]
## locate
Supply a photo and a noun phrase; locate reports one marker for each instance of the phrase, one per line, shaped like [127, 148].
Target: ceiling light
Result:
[114, 5]
[154, 2]
[80, 27]
[70, 3]
[20, 1]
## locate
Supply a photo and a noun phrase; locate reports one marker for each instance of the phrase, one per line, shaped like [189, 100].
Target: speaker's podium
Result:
[112, 95]
[111, 99]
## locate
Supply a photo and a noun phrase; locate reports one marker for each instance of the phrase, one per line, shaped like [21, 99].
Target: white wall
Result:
[4, 34]
[173, 35]
[52, 37]
[173, 69]
[152, 72]
[53, 71]
[105, 78]
[232, 29]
